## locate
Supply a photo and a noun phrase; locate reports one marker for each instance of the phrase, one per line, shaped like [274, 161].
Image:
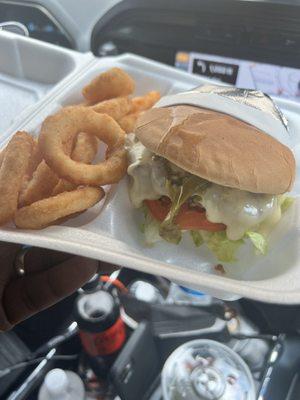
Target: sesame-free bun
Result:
[218, 147]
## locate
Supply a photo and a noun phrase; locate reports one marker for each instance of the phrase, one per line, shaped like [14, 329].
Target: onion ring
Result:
[145, 102]
[35, 159]
[40, 186]
[65, 125]
[43, 181]
[128, 122]
[14, 166]
[115, 108]
[46, 212]
[113, 83]
[85, 150]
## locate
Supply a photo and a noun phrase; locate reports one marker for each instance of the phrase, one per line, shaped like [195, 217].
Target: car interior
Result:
[155, 328]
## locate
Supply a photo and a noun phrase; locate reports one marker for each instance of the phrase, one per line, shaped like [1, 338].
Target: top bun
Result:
[218, 148]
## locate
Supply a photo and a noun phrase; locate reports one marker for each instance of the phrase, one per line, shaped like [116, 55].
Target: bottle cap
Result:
[56, 382]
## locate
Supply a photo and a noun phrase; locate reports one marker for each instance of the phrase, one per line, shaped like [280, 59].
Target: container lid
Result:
[206, 370]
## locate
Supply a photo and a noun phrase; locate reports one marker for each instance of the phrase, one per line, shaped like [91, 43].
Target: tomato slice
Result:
[158, 209]
[187, 218]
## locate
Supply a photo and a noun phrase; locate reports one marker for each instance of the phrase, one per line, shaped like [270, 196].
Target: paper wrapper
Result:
[218, 133]
[251, 106]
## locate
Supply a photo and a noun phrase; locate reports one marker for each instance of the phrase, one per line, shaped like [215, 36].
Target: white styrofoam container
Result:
[29, 69]
[110, 231]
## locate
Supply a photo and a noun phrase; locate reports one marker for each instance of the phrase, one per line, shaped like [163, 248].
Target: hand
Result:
[49, 277]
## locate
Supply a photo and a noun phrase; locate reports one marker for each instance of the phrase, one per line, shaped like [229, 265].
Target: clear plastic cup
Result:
[206, 370]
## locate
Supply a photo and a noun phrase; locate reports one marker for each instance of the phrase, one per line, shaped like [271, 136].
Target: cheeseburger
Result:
[209, 173]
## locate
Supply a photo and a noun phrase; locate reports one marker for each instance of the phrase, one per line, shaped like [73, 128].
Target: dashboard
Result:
[254, 44]
[38, 21]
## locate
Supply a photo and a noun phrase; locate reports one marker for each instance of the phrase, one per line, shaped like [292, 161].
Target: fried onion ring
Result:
[142, 103]
[113, 83]
[14, 166]
[40, 186]
[85, 150]
[35, 160]
[115, 108]
[47, 211]
[66, 124]
[42, 182]
[128, 122]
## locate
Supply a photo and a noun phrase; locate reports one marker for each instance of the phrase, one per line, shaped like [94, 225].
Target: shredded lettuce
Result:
[170, 232]
[197, 238]
[223, 248]
[150, 228]
[259, 242]
[189, 186]
[286, 203]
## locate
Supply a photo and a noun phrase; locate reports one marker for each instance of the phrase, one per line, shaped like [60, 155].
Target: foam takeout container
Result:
[110, 231]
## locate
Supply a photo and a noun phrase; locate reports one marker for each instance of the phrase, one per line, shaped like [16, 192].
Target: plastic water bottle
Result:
[61, 385]
[183, 295]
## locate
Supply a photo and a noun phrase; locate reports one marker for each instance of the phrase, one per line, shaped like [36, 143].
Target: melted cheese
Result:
[239, 210]
[148, 173]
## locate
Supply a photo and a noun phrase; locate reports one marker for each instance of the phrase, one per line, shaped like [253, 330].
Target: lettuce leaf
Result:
[197, 238]
[190, 185]
[170, 232]
[150, 228]
[179, 194]
[225, 249]
[222, 247]
[259, 242]
[286, 203]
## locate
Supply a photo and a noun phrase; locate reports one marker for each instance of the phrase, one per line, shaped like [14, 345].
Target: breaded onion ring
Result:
[42, 182]
[40, 186]
[142, 103]
[85, 150]
[35, 159]
[47, 211]
[128, 122]
[113, 83]
[115, 108]
[14, 166]
[65, 125]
